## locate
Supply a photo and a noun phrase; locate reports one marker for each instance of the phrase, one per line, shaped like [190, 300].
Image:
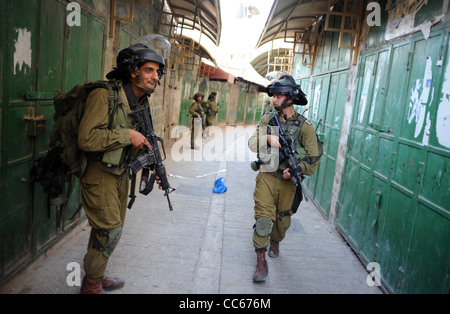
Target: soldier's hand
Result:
[138, 140]
[273, 141]
[158, 180]
[286, 174]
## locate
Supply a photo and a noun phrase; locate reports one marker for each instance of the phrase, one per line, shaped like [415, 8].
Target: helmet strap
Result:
[283, 105]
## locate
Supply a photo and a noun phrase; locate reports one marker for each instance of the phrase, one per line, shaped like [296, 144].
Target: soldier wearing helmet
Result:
[276, 197]
[109, 139]
[196, 111]
[210, 109]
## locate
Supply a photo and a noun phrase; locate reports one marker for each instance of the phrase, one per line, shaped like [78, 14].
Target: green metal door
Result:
[18, 57]
[393, 205]
[251, 108]
[260, 105]
[42, 55]
[317, 109]
[187, 94]
[241, 104]
[222, 102]
[327, 101]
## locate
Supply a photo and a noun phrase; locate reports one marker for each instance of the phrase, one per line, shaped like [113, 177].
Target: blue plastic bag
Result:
[219, 186]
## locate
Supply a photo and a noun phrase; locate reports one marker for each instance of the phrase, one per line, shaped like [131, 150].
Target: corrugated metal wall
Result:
[393, 205]
[394, 200]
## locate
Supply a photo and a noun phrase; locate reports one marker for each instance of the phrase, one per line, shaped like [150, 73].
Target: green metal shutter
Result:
[394, 200]
[42, 55]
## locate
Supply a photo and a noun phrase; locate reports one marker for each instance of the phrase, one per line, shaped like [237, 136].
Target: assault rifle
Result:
[287, 152]
[199, 111]
[151, 159]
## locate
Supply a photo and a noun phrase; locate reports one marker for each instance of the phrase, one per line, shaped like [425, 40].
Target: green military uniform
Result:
[196, 108]
[210, 109]
[104, 185]
[273, 194]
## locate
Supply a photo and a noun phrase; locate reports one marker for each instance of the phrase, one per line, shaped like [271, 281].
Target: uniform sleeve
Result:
[94, 135]
[258, 136]
[308, 140]
[192, 109]
[253, 142]
[214, 107]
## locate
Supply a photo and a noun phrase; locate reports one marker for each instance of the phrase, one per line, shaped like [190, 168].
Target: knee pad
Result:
[111, 241]
[263, 226]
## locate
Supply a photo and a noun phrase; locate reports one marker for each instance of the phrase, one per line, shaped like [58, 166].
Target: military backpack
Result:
[65, 161]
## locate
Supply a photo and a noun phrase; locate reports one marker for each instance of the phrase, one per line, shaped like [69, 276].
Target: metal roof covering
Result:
[288, 17]
[215, 73]
[261, 63]
[198, 48]
[203, 15]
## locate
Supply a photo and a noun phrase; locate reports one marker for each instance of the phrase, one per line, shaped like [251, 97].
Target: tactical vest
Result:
[292, 127]
[119, 119]
[200, 110]
[207, 108]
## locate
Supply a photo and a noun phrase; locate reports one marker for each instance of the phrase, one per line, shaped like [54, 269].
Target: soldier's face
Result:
[278, 99]
[148, 76]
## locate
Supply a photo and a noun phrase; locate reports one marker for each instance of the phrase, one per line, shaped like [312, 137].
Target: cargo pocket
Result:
[94, 200]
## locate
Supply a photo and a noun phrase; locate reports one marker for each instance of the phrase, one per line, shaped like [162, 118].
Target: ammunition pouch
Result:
[113, 157]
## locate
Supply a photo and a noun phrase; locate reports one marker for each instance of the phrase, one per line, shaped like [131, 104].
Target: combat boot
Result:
[109, 283]
[92, 286]
[274, 249]
[261, 266]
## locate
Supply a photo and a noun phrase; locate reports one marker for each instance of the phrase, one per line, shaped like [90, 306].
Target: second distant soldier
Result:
[210, 109]
[196, 112]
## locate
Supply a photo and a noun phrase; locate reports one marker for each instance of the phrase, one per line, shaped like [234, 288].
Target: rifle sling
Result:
[132, 195]
[148, 180]
[132, 100]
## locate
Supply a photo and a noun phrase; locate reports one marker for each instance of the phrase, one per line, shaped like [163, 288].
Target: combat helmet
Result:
[212, 96]
[134, 56]
[286, 85]
[198, 94]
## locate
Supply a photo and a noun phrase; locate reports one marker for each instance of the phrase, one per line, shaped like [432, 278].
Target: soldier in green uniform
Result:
[196, 111]
[276, 197]
[210, 109]
[110, 142]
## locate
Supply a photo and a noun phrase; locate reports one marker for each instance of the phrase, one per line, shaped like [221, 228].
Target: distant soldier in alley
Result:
[197, 113]
[210, 109]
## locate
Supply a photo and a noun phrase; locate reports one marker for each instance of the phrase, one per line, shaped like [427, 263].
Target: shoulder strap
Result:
[302, 120]
[267, 117]
[113, 102]
[311, 159]
[130, 96]
[113, 87]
